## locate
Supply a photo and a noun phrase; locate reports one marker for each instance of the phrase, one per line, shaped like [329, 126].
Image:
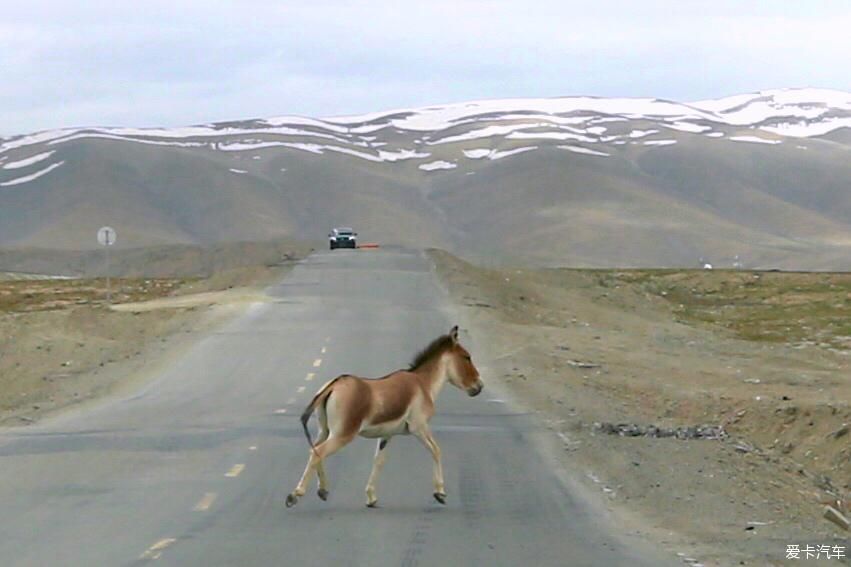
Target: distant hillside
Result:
[566, 181]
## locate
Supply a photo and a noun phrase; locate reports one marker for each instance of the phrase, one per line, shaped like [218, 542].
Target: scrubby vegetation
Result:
[789, 307]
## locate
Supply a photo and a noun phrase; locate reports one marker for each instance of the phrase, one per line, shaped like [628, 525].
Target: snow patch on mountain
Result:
[753, 140]
[305, 121]
[478, 153]
[517, 135]
[809, 110]
[487, 132]
[355, 153]
[686, 127]
[37, 138]
[515, 151]
[440, 164]
[496, 154]
[105, 136]
[642, 133]
[402, 155]
[312, 148]
[31, 177]
[28, 161]
[805, 129]
[246, 146]
[581, 150]
[446, 116]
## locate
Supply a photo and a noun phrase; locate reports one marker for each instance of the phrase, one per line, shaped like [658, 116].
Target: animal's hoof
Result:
[440, 497]
[373, 504]
[322, 493]
[292, 499]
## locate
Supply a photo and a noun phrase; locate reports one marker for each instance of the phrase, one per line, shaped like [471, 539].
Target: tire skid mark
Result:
[419, 538]
[472, 492]
[519, 505]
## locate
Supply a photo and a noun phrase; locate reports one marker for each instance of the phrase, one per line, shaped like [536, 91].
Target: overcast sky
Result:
[178, 62]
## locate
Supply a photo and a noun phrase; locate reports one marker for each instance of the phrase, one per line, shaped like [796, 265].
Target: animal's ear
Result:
[453, 334]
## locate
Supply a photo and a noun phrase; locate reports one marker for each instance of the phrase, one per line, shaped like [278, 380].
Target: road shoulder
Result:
[582, 362]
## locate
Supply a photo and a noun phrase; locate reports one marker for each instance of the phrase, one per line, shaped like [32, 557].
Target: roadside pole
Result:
[106, 238]
[108, 286]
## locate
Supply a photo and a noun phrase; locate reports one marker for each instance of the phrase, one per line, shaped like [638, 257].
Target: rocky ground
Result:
[710, 409]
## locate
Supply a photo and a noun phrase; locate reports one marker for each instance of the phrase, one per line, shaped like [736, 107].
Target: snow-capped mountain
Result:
[427, 164]
[577, 121]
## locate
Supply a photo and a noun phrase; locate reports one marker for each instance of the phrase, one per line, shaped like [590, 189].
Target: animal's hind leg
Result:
[377, 464]
[301, 487]
[317, 454]
[320, 468]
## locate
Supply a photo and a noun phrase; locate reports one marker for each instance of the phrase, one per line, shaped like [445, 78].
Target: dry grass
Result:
[48, 295]
[783, 307]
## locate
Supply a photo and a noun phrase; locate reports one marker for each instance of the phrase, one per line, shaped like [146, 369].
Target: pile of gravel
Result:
[713, 432]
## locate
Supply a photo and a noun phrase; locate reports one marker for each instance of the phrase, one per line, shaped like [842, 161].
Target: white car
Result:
[342, 237]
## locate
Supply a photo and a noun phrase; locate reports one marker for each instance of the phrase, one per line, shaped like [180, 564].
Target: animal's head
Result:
[462, 372]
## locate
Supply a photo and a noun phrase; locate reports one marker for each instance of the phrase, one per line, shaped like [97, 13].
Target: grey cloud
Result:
[170, 63]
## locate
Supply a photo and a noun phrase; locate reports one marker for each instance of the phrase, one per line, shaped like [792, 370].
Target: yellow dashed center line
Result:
[300, 389]
[156, 550]
[206, 501]
[253, 448]
[310, 376]
[291, 401]
[324, 350]
[234, 471]
[282, 410]
[317, 363]
[327, 339]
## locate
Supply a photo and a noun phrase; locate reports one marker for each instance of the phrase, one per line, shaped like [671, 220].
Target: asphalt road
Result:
[193, 469]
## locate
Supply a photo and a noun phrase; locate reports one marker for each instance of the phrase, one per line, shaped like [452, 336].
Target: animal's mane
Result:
[435, 348]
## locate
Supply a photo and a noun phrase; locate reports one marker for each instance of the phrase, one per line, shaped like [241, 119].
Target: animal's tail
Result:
[320, 397]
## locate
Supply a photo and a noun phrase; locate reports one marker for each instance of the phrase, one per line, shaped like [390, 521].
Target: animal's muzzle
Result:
[476, 390]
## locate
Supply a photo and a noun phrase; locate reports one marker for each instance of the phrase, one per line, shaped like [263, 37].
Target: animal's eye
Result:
[468, 357]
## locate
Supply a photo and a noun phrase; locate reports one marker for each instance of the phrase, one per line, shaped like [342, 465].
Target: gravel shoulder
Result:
[721, 445]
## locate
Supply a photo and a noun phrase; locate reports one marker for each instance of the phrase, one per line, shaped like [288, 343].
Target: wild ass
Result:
[397, 404]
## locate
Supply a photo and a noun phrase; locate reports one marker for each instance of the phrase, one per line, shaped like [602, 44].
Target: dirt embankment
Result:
[165, 261]
[627, 367]
[62, 345]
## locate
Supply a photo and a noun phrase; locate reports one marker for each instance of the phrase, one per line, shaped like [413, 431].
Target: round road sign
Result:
[106, 236]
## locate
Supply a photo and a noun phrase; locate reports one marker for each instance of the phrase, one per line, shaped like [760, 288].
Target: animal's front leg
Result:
[427, 439]
[377, 464]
